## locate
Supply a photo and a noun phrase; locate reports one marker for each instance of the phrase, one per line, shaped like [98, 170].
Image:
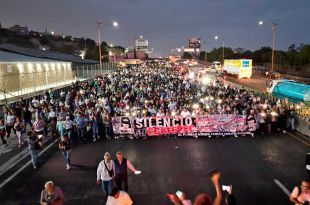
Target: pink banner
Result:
[180, 125]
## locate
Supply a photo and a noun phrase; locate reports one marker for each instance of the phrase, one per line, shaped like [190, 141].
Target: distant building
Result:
[116, 53]
[142, 44]
[22, 30]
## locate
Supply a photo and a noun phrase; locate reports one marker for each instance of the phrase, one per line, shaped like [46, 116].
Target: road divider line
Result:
[298, 139]
[23, 167]
[282, 187]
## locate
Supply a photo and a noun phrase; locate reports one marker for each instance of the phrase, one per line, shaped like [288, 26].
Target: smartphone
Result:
[137, 172]
[226, 188]
[179, 194]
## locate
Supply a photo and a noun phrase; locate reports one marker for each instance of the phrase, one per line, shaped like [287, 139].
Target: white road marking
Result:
[15, 160]
[282, 187]
[23, 167]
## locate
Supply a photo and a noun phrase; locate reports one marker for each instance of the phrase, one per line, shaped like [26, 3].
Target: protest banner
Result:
[225, 124]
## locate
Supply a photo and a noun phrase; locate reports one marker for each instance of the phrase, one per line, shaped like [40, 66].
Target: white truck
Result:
[242, 68]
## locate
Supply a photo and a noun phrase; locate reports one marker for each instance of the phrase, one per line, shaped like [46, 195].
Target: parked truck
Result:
[242, 68]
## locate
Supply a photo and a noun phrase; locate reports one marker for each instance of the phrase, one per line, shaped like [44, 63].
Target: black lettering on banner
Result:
[188, 121]
[126, 122]
[175, 122]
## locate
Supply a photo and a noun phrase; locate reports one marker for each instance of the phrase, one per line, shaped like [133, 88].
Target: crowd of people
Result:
[85, 112]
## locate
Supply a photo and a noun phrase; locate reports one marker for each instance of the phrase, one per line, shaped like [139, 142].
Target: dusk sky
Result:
[167, 23]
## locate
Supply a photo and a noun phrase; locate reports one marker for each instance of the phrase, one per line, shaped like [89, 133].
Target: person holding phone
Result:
[181, 197]
[106, 173]
[230, 199]
[204, 198]
[51, 194]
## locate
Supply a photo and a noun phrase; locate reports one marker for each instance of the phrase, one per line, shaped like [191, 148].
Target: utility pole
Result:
[99, 42]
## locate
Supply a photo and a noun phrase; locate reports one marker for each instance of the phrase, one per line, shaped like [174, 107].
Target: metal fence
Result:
[299, 71]
[24, 85]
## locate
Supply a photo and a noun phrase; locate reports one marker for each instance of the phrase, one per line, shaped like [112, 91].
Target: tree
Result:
[292, 48]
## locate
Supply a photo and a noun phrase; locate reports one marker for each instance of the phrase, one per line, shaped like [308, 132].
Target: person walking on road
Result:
[19, 127]
[106, 173]
[80, 123]
[34, 148]
[65, 147]
[68, 124]
[121, 166]
[51, 194]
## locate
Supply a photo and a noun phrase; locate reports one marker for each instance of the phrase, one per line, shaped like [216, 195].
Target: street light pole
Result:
[206, 54]
[223, 52]
[223, 48]
[99, 43]
[273, 45]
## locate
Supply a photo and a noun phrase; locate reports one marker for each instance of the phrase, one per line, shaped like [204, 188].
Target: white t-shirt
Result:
[123, 199]
[68, 124]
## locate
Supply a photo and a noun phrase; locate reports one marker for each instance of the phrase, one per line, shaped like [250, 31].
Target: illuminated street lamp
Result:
[223, 52]
[273, 27]
[114, 24]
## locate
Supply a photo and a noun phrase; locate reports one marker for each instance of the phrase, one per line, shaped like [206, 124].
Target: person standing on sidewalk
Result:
[65, 147]
[3, 132]
[19, 127]
[121, 166]
[34, 146]
[106, 173]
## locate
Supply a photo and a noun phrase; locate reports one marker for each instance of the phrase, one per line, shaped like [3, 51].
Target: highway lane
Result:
[250, 164]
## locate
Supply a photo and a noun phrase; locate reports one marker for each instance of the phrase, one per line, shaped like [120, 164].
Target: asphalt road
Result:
[168, 165]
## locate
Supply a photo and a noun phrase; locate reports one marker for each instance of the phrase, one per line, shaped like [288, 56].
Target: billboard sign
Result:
[194, 43]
